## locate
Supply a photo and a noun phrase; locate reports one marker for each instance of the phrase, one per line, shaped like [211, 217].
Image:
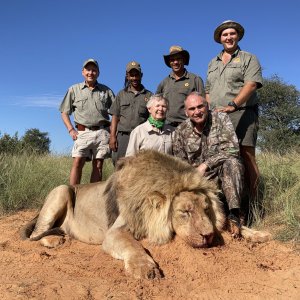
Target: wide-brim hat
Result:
[228, 24]
[91, 61]
[177, 50]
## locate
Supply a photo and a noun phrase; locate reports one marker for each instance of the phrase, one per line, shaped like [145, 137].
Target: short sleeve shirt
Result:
[224, 82]
[130, 108]
[89, 107]
[145, 136]
[176, 92]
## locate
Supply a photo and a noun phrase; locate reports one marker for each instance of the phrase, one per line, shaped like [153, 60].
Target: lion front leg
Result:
[120, 244]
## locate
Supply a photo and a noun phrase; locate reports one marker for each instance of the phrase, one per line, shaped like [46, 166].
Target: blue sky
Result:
[44, 43]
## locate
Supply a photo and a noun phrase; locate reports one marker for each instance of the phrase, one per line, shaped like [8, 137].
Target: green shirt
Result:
[130, 108]
[88, 106]
[176, 91]
[224, 82]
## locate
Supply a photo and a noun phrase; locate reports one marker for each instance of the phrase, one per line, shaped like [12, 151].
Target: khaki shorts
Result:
[92, 144]
[245, 123]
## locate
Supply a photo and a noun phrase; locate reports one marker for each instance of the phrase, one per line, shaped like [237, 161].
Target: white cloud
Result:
[47, 101]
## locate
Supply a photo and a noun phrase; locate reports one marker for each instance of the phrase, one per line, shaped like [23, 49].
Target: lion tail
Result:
[255, 236]
[27, 229]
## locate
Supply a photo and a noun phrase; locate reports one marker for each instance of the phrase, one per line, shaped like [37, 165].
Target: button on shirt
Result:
[176, 91]
[224, 82]
[130, 108]
[146, 136]
[89, 107]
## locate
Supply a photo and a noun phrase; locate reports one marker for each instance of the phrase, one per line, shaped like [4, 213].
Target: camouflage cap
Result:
[177, 50]
[228, 24]
[91, 61]
[133, 65]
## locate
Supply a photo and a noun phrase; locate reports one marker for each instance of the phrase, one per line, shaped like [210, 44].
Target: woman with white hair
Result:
[154, 133]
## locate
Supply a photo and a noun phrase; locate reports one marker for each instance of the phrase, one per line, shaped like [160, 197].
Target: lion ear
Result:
[156, 199]
[122, 162]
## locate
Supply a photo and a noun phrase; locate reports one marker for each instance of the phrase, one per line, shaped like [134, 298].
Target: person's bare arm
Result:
[66, 119]
[243, 96]
[113, 133]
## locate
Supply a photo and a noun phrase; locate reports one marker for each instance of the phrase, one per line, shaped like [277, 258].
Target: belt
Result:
[101, 125]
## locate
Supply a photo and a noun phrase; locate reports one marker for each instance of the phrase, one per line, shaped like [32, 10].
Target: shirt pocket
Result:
[143, 110]
[234, 73]
[212, 74]
[125, 108]
[80, 102]
[101, 101]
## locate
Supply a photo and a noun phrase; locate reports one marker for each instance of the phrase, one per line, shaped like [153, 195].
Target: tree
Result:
[9, 144]
[36, 141]
[279, 111]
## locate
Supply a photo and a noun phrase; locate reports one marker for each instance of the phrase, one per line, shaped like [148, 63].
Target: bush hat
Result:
[91, 61]
[177, 50]
[133, 65]
[228, 24]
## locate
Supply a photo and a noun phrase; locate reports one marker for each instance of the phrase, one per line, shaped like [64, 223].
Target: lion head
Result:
[194, 219]
[160, 195]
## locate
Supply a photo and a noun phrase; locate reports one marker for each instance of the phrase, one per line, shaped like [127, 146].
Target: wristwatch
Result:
[232, 103]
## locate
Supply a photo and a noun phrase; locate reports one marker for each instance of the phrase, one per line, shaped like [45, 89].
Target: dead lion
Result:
[151, 195]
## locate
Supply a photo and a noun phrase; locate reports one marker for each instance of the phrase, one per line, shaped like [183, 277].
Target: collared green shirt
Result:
[177, 90]
[130, 108]
[89, 107]
[224, 82]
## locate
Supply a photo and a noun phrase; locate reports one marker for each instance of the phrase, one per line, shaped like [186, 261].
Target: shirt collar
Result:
[130, 89]
[84, 85]
[238, 49]
[150, 128]
[185, 74]
[207, 125]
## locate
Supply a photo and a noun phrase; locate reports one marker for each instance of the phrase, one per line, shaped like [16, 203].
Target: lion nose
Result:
[208, 238]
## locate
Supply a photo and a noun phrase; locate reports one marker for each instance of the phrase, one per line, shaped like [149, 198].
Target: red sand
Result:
[74, 270]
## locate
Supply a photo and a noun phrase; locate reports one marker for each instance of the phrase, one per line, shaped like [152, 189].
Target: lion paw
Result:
[143, 268]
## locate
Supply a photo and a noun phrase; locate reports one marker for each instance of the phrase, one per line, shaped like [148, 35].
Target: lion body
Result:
[151, 195]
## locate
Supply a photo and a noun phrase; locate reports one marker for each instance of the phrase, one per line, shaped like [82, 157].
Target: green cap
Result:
[133, 65]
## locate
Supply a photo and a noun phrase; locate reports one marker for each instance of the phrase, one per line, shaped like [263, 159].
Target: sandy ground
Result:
[74, 270]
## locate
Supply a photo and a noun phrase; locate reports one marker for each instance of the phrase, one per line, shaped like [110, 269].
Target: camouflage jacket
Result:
[213, 146]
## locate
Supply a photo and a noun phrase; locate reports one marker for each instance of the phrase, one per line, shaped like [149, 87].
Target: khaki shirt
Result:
[146, 136]
[130, 108]
[213, 146]
[224, 82]
[176, 91]
[88, 106]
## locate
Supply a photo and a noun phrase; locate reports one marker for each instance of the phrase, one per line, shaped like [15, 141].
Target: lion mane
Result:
[146, 186]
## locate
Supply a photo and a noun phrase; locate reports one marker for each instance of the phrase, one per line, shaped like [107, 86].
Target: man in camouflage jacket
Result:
[207, 141]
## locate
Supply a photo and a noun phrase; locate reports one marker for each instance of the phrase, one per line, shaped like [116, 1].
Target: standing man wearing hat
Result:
[178, 84]
[128, 110]
[89, 102]
[232, 80]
